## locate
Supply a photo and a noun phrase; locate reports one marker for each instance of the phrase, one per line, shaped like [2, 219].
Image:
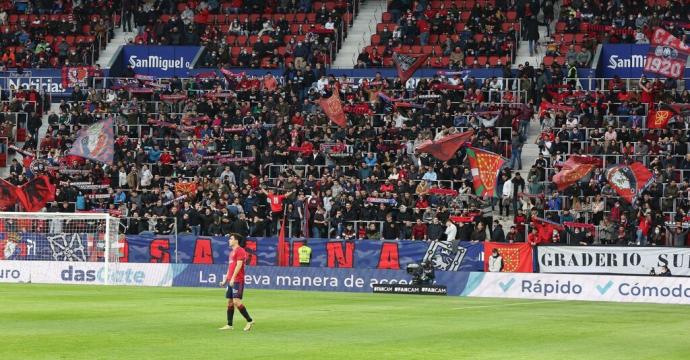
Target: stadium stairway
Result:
[120, 38]
[523, 47]
[359, 35]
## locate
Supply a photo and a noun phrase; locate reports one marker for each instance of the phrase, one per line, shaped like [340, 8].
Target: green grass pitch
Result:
[98, 322]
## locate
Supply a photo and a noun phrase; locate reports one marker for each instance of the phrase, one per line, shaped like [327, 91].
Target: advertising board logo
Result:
[635, 61]
[443, 256]
[125, 277]
[154, 61]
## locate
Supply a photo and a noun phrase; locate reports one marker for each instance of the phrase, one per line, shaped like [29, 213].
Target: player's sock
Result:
[231, 313]
[243, 311]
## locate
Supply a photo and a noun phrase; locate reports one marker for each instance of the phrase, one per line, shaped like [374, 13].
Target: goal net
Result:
[80, 237]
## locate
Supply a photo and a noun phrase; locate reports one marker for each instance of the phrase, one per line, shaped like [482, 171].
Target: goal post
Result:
[61, 237]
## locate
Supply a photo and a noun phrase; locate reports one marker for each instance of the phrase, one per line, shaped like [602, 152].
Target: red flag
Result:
[658, 119]
[408, 64]
[334, 109]
[667, 55]
[8, 195]
[35, 194]
[186, 187]
[516, 257]
[485, 167]
[629, 180]
[574, 169]
[545, 106]
[545, 229]
[283, 255]
[445, 148]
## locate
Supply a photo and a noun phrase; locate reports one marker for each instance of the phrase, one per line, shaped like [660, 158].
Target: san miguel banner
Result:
[516, 257]
[161, 61]
[612, 260]
[325, 253]
[667, 55]
[624, 60]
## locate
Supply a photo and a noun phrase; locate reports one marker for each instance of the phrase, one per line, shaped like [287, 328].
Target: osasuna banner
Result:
[647, 289]
[408, 64]
[445, 148]
[74, 76]
[161, 61]
[612, 260]
[485, 167]
[96, 142]
[325, 253]
[667, 55]
[516, 257]
[629, 180]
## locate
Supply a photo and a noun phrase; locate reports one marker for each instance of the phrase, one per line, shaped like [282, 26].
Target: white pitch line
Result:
[509, 304]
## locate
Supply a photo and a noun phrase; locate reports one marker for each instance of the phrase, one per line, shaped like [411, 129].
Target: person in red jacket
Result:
[645, 223]
[419, 230]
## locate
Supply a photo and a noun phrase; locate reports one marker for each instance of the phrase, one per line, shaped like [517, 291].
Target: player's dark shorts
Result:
[235, 292]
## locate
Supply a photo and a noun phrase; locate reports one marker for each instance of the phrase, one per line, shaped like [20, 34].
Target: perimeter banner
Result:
[365, 254]
[647, 289]
[612, 260]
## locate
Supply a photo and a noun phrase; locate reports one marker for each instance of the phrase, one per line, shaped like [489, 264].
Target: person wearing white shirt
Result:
[146, 177]
[430, 175]
[451, 231]
[507, 196]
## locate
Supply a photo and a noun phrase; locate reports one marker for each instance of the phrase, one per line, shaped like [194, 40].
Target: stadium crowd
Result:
[50, 34]
[252, 34]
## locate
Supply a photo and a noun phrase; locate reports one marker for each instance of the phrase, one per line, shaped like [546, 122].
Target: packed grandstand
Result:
[240, 143]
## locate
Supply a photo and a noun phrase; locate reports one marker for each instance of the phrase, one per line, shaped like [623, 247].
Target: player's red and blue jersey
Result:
[238, 254]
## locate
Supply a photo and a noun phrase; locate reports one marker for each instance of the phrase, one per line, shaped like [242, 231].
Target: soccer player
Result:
[234, 280]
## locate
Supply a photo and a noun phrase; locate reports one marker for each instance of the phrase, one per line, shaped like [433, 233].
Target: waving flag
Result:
[334, 109]
[629, 180]
[408, 64]
[667, 55]
[35, 194]
[545, 229]
[485, 167]
[96, 142]
[545, 106]
[445, 148]
[8, 195]
[186, 187]
[659, 119]
[574, 169]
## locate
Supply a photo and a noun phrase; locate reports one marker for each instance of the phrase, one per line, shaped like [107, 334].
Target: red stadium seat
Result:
[375, 39]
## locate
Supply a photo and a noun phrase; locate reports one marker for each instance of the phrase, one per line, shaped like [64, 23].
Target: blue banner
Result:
[48, 80]
[285, 278]
[624, 60]
[160, 61]
[362, 254]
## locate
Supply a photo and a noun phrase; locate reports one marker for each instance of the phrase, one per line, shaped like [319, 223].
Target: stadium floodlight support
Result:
[71, 237]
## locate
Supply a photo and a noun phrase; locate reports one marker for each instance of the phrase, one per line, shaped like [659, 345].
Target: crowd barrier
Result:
[662, 290]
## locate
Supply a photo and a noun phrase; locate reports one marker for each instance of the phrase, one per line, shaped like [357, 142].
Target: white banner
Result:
[90, 273]
[649, 289]
[14, 272]
[612, 260]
